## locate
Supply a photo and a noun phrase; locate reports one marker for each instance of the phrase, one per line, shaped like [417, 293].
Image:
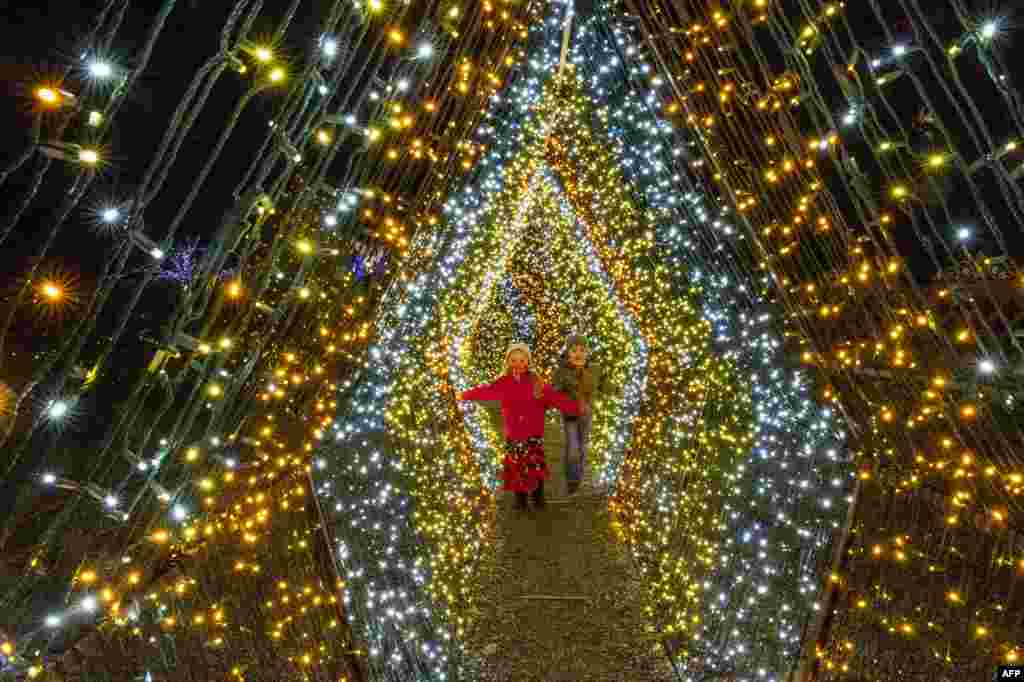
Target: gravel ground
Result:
[594, 629]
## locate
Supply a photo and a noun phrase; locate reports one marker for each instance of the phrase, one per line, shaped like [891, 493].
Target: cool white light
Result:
[100, 69]
[58, 409]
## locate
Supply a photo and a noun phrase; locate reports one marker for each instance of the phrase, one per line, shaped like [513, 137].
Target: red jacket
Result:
[522, 413]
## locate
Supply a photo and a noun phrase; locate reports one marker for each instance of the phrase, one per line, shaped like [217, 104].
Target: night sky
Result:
[43, 44]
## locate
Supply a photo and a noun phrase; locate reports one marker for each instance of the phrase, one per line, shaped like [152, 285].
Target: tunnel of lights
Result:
[725, 477]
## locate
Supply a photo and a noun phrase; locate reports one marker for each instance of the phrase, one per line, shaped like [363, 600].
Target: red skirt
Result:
[525, 465]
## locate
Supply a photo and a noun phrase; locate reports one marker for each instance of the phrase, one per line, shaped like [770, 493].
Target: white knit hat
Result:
[521, 347]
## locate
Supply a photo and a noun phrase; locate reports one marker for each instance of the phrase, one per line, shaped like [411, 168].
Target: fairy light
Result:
[58, 409]
[47, 95]
[52, 292]
[100, 69]
[89, 157]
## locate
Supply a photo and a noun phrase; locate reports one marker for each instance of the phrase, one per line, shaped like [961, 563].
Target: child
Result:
[580, 380]
[524, 400]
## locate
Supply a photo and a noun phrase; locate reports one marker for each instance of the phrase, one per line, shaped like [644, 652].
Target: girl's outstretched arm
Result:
[561, 401]
[489, 391]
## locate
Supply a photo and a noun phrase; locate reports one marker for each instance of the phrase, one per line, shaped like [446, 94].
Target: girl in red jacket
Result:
[524, 400]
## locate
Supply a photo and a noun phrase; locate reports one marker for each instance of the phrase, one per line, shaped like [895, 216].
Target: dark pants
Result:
[538, 497]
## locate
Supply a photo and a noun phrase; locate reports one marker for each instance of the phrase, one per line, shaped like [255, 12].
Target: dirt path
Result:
[592, 628]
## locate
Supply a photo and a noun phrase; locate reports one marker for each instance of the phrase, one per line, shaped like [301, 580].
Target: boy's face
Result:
[578, 356]
[518, 362]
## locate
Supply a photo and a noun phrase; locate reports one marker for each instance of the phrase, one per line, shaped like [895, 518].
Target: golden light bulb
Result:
[277, 75]
[52, 292]
[89, 156]
[48, 95]
[264, 55]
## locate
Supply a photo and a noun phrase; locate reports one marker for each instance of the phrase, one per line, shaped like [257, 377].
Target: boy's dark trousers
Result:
[538, 497]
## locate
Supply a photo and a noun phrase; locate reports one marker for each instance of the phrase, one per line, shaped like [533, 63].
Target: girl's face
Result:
[518, 362]
[578, 356]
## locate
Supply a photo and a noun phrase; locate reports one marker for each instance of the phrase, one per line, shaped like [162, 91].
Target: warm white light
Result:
[986, 366]
[48, 95]
[89, 156]
[89, 603]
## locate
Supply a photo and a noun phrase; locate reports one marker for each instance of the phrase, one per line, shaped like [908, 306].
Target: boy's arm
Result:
[561, 401]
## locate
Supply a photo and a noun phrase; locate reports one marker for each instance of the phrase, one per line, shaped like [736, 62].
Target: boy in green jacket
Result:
[581, 381]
